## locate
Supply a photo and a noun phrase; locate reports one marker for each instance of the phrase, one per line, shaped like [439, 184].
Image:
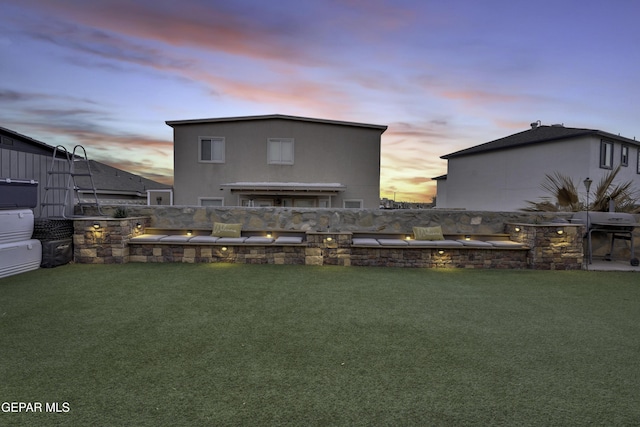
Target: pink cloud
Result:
[478, 96]
[211, 26]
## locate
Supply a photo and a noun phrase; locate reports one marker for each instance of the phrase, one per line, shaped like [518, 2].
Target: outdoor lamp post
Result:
[587, 184]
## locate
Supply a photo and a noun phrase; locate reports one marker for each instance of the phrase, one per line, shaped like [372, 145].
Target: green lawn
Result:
[220, 344]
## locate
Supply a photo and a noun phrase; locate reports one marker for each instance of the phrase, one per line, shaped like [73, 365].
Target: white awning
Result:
[285, 188]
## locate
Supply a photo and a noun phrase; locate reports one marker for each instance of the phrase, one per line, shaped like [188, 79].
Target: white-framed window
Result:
[211, 201]
[352, 204]
[211, 149]
[606, 154]
[624, 156]
[280, 151]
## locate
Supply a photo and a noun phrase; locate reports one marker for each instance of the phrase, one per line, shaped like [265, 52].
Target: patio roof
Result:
[284, 188]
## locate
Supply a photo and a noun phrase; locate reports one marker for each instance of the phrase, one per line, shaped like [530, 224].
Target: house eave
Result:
[496, 145]
[174, 123]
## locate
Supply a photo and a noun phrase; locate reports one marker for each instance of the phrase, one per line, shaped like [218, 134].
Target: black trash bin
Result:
[56, 252]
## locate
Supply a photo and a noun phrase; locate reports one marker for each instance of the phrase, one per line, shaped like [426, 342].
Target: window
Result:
[624, 157]
[304, 203]
[280, 151]
[352, 204]
[211, 201]
[211, 149]
[606, 155]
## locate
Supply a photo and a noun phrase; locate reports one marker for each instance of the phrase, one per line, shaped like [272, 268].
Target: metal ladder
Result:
[71, 174]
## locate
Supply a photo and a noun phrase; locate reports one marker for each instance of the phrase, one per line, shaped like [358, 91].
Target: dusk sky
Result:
[442, 75]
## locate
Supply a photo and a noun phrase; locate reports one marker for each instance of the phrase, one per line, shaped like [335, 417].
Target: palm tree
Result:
[563, 195]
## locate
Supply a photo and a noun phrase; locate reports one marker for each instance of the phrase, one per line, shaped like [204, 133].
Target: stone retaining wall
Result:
[538, 231]
[335, 219]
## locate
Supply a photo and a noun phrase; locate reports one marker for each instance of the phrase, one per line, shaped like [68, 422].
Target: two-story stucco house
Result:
[502, 175]
[276, 160]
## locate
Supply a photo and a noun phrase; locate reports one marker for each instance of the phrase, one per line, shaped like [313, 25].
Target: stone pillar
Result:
[328, 248]
[551, 246]
[104, 240]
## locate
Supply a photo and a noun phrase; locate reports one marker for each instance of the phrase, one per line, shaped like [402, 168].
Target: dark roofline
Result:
[173, 123]
[50, 148]
[27, 138]
[540, 134]
[440, 178]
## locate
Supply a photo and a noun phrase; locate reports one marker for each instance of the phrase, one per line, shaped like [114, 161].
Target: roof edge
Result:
[580, 132]
[173, 123]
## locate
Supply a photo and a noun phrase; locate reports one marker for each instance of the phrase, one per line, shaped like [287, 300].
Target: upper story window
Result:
[211, 149]
[624, 156]
[280, 151]
[606, 155]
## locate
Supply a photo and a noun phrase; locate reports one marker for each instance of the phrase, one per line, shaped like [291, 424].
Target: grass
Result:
[180, 344]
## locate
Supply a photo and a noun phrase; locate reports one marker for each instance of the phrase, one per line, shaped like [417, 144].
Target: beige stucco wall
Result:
[504, 180]
[324, 153]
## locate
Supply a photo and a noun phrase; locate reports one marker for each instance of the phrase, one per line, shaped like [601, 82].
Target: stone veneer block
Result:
[88, 253]
[313, 260]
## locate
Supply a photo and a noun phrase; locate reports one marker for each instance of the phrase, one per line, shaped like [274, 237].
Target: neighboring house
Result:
[502, 175]
[276, 160]
[24, 158]
[115, 186]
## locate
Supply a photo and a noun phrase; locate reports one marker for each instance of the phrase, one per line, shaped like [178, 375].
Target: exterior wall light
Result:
[138, 225]
[96, 225]
[269, 234]
[189, 232]
[467, 237]
[329, 239]
[407, 237]
[440, 251]
[517, 229]
[560, 231]
[224, 249]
